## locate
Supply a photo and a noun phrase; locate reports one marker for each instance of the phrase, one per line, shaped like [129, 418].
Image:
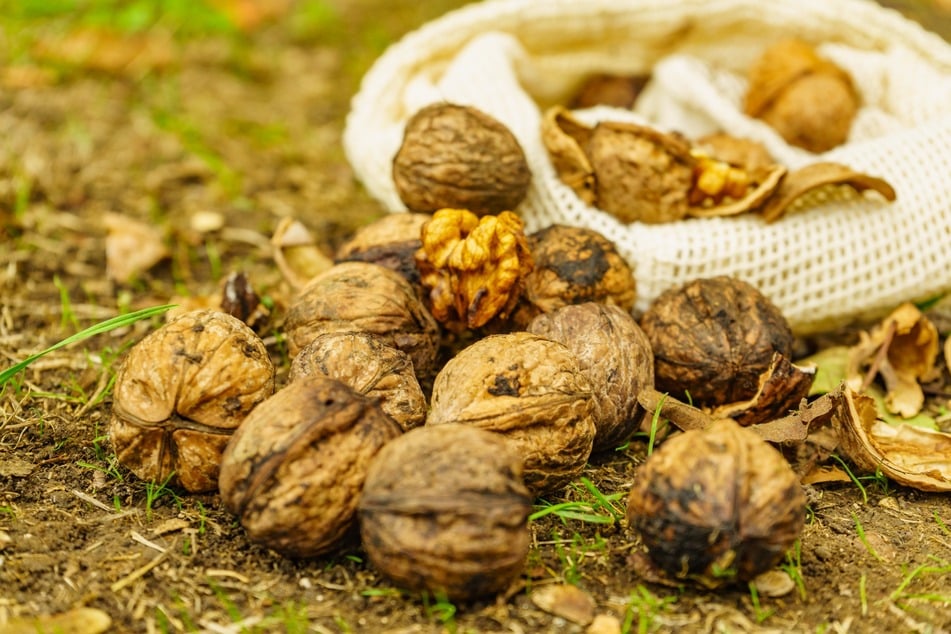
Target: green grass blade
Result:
[97, 329]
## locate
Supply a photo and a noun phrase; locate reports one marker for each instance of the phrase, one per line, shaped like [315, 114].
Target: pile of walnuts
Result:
[448, 369]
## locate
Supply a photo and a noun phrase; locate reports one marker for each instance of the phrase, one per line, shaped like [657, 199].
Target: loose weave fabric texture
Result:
[838, 257]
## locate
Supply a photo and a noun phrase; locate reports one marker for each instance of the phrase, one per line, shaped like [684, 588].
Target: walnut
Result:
[615, 355]
[180, 394]
[460, 157]
[807, 99]
[444, 510]
[618, 91]
[359, 296]
[293, 472]
[723, 342]
[529, 389]
[715, 506]
[390, 241]
[573, 265]
[472, 267]
[370, 367]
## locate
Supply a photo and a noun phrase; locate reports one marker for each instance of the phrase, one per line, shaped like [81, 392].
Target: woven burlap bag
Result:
[835, 259]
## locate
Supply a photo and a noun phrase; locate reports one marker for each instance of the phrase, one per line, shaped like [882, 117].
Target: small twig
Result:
[138, 574]
[136, 537]
[85, 497]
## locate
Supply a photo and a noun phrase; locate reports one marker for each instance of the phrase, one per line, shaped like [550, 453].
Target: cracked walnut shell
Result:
[444, 510]
[365, 297]
[294, 470]
[370, 367]
[715, 506]
[180, 394]
[529, 389]
[459, 157]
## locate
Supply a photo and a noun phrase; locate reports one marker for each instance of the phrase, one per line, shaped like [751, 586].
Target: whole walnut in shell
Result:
[391, 241]
[460, 157]
[810, 101]
[180, 394]
[370, 367]
[573, 265]
[715, 506]
[616, 356]
[444, 510]
[359, 296]
[293, 472]
[529, 389]
[714, 337]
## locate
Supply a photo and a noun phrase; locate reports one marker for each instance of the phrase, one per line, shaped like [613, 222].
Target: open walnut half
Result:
[638, 173]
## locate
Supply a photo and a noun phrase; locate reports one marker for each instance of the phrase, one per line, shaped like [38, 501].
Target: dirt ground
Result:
[237, 116]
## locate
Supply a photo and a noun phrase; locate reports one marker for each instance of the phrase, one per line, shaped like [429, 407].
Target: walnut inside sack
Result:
[293, 472]
[444, 510]
[180, 394]
[529, 389]
[460, 157]
[809, 100]
[360, 296]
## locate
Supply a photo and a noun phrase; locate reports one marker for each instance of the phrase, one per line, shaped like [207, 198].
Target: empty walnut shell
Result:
[359, 296]
[615, 354]
[807, 99]
[573, 265]
[459, 157]
[529, 389]
[714, 338]
[293, 472]
[389, 241]
[444, 510]
[370, 367]
[180, 394]
[716, 506]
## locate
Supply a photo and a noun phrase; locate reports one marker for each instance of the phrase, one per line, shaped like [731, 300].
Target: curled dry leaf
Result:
[296, 253]
[132, 247]
[472, 268]
[566, 137]
[911, 456]
[800, 182]
[903, 349]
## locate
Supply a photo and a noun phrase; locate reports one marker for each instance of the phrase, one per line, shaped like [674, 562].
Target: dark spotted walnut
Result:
[573, 265]
[359, 296]
[180, 394]
[716, 506]
[615, 354]
[459, 157]
[389, 241]
[529, 389]
[370, 367]
[293, 472]
[444, 510]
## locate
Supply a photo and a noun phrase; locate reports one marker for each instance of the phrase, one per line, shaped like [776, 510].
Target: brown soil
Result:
[248, 125]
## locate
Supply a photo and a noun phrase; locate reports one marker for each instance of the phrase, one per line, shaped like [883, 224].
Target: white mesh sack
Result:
[835, 260]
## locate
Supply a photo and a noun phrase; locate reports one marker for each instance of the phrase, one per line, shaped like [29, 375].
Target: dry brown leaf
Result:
[132, 247]
[567, 601]
[108, 51]
[903, 349]
[296, 253]
[911, 456]
[821, 474]
[799, 182]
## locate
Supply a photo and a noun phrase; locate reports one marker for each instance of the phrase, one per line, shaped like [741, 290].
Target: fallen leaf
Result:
[16, 467]
[132, 247]
[774, 583]
[821, 474]
[604, 624]
[296, 253]
[831, 368]
[911, 456]
[567, 601]
[76, 621]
